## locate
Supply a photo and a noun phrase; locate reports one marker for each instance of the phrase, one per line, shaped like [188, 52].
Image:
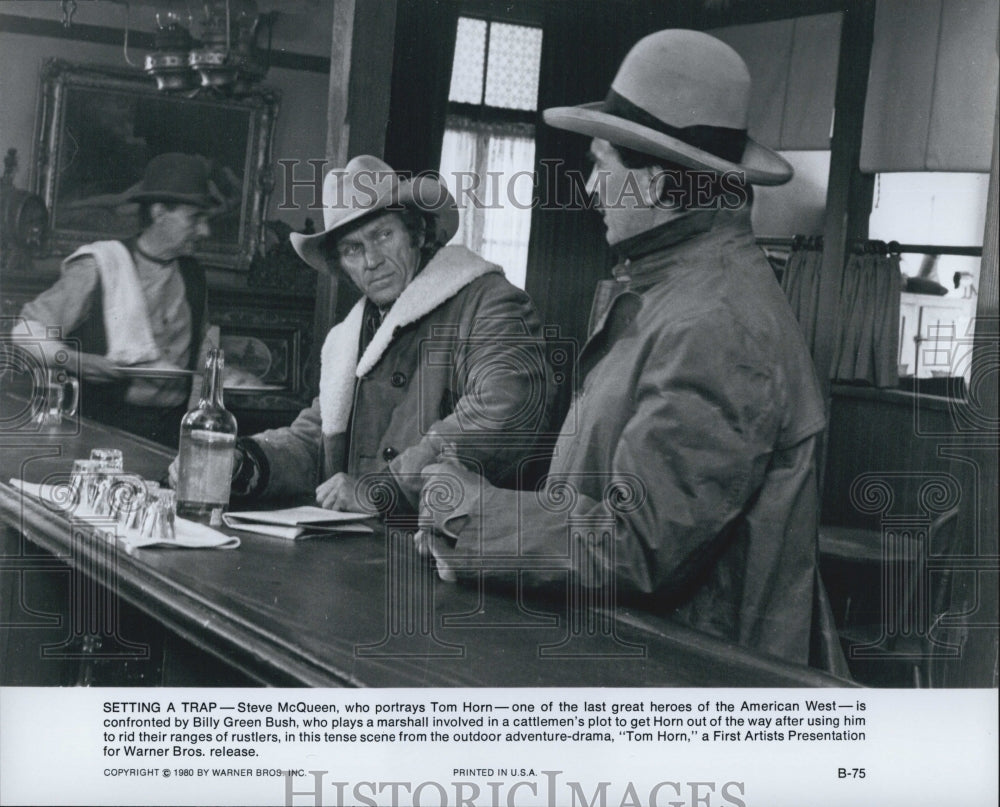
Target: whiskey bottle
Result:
[207, 451]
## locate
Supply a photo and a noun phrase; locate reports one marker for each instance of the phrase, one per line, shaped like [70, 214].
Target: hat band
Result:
[727, 144]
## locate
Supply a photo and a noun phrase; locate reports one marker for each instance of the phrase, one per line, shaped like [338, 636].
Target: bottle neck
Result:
[211, 388]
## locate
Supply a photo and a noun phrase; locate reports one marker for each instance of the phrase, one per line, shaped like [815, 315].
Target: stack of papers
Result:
[295, 523]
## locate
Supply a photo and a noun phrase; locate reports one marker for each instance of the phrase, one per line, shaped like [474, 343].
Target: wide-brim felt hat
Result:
[367, 185]
[672, 88]
[175, 178]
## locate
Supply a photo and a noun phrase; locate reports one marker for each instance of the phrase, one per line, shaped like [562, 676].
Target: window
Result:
[942, 210]
[936, 208]
[799, 206]
[488, 153]
[795, 208]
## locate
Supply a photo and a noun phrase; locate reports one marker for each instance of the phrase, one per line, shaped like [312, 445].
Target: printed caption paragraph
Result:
[517, 747]
[221, 730]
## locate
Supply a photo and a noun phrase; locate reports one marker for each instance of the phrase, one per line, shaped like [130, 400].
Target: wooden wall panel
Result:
[895, 434]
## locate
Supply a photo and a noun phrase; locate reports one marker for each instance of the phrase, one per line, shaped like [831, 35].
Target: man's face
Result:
[380, 257]
[180, 228]
[623, 194]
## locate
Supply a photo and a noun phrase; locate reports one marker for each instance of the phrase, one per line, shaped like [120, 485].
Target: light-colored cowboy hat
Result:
[365, 185]
[671, 81]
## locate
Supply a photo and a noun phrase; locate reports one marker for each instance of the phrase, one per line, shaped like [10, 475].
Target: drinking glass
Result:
[131, 518]
[58, 397]
[127, 496]
[158, 516]
[110, 457]
[83, 482]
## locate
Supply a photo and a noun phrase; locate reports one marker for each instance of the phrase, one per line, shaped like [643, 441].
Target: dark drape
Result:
[421, 75]
[568, 253]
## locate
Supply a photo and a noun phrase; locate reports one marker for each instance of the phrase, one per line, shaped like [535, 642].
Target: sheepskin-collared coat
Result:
[460, 354]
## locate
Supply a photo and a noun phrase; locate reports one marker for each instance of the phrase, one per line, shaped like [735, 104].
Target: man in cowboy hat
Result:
[137, 302]
[692, 442]
[440, 344]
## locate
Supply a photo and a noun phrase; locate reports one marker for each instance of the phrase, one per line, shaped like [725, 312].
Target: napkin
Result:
[187, 534]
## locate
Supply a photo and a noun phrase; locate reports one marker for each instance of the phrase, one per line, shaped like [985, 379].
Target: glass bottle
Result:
[207, 451]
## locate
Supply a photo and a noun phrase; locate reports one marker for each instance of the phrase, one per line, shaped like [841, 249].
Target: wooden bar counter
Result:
[348, 610]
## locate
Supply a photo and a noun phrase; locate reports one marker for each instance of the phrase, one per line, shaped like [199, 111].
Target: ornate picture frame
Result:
[265, 352]
[96, 129]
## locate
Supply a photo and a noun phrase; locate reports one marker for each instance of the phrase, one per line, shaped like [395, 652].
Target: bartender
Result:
[137, 303]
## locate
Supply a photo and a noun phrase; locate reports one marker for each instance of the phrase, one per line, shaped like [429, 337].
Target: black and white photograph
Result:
[499, 402]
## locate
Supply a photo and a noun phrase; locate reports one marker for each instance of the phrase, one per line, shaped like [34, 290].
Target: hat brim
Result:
[423, 193]
[760, 165]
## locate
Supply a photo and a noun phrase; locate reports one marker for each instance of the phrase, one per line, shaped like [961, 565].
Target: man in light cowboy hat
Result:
[696, 428]
[137, 302]
[440, 344]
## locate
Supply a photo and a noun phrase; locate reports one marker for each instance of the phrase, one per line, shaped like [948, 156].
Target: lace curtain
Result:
[487, 167]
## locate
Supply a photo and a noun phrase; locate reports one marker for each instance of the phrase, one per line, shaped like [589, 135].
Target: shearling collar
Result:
[447, 273]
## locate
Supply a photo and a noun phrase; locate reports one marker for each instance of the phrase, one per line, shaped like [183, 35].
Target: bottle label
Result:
[205, 468]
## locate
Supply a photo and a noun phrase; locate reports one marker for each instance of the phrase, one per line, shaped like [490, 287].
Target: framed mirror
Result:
[97, 128]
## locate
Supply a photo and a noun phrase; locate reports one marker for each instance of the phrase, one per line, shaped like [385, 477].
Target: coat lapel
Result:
[450, 271]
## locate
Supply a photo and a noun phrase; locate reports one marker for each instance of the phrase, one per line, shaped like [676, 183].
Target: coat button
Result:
[389, 453]
[397, 379]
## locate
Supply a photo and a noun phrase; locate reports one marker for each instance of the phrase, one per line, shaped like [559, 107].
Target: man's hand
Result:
[340, 492]
[172, 472]
[98, 369]
[430, 544]
[450, 503]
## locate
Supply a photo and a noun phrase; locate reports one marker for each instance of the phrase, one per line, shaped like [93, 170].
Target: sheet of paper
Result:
[293, 516]
[295, 533]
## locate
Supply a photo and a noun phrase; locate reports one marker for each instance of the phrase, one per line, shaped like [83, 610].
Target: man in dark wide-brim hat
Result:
[139, 302]
[440, 346]
[694, 436]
